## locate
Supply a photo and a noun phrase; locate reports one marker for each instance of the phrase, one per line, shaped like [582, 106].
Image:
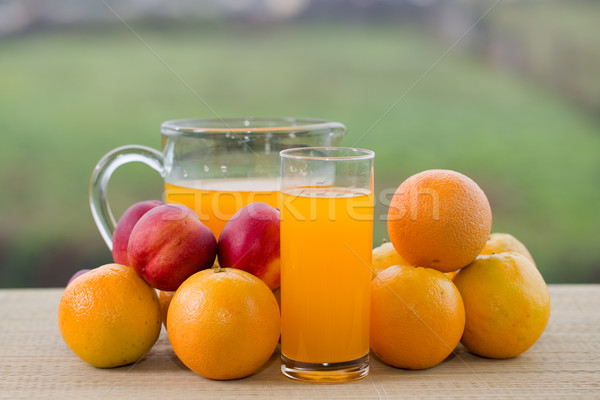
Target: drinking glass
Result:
[326, 245]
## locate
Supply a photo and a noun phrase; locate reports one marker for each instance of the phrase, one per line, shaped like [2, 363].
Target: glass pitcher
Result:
[215, 166]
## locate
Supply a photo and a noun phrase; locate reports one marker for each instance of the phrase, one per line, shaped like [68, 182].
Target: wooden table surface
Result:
[35, 363]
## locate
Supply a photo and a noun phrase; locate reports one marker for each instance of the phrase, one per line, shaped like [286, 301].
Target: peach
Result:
[250, 242]
[126, 223]
[168, 244]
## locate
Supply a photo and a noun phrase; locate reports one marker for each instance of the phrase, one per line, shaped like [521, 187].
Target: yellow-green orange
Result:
[507, 304]
[503, 242]
[109, 316]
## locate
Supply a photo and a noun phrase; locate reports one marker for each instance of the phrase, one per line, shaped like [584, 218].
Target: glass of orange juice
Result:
[326, 245]
[215, 166]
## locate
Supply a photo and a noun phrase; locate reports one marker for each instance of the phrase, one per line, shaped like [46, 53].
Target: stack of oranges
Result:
[497, 304]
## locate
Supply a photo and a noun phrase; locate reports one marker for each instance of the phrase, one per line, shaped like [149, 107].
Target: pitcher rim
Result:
[232, 125]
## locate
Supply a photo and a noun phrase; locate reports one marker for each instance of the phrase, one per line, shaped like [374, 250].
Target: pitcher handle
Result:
[101, 211]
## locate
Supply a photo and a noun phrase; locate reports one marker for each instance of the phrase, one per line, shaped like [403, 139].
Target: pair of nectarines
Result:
[167, 243]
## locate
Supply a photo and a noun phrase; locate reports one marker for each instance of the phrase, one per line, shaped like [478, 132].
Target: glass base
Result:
[326, 372]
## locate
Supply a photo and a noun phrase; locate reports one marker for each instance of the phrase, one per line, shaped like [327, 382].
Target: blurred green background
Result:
[513, 101]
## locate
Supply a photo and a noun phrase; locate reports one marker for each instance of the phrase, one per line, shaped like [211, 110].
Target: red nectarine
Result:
[168, 244]
[250, 241]
[124, 227]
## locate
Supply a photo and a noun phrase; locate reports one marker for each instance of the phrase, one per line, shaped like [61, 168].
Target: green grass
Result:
[69, 97]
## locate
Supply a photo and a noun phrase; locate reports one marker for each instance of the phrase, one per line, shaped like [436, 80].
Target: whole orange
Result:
[109, 316]
[503, 242]
[507, 304]
[439, 219]
[223, 323]
[417, 317]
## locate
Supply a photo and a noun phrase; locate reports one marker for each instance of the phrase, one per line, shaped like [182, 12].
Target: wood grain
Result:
[35, 363]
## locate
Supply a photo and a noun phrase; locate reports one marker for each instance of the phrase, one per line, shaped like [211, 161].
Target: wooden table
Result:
[35, 363]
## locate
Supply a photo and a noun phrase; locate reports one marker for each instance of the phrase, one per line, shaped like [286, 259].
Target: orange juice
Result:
[217, 200]
[326, 244]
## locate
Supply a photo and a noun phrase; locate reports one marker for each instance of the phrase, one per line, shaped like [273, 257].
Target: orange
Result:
[164, 298]
[507, 304]
[109, 316]
[439, 219]
[503, 242]
[417, 317]
[384, 257]
[223, 323]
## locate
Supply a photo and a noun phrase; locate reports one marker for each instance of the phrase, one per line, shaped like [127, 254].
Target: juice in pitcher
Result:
[217, 200]
[326, 240]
